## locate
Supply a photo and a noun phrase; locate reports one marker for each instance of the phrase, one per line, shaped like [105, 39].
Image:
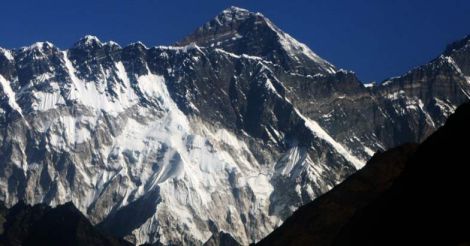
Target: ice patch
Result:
[260, 185]
[370, 85]
[369, 151]
[10, 95]
[46, 101]
[319, 132]
[269, 85]
[7, 54]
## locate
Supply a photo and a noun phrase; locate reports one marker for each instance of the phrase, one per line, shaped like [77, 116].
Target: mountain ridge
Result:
[185, 42]
[43, 225]
[180, 132]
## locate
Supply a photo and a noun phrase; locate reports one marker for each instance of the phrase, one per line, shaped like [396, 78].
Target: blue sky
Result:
[375, 38]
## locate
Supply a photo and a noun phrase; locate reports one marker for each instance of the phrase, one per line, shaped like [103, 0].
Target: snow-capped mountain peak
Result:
[231, 130]
[232, 14]
[88, 41]
[240, 31]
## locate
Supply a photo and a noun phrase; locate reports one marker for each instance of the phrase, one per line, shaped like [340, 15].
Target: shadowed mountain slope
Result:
[410, 194]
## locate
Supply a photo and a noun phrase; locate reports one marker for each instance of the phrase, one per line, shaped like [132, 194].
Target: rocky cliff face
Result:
[392, 200]
[230, 130]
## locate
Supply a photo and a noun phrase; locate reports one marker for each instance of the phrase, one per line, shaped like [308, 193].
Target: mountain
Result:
[230, 130]
[318, 222]
[43, 225]
[242, 32]
[392, 200]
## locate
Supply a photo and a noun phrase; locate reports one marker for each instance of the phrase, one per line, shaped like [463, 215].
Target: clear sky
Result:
[375, 38]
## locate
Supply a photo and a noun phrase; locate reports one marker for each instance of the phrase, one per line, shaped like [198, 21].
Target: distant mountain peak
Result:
[38, 46]
[241, 31]
[88, 41]
[233, 14]
[237, 10]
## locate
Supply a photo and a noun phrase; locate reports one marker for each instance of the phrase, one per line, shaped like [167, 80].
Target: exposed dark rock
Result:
[221, 239]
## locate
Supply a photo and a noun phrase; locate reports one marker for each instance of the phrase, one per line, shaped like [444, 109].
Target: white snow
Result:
[269, 85]
[412, 104]
[457, 68]
[295, 47]
[237, 36]
[370, 85]
[122, 74]
[369, 151]
[452, 62]
[195, 165]
[46, 101]
[387, 82]
[138, 43]
[426, 114]
[396, 95]
[10, 94]
[7, 54]
[293, 158]
[38, 46]
[112, 43]
[261, 186]
[318, 131]
[256, 58]
[446, 108]
[90, 39]
[94, 97]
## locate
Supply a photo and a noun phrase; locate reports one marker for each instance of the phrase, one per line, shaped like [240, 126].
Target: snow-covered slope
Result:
[107, 134]
[176, 144]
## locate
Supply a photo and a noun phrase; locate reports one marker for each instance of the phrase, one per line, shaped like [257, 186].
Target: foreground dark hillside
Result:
[42, 225]
[406, 195]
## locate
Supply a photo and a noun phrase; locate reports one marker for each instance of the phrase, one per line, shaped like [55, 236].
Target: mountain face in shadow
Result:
[410, 194]
[42, 225]
[428, 203]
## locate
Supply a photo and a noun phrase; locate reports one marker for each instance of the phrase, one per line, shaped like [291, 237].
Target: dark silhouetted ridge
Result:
[43, 225]
[406, 195]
